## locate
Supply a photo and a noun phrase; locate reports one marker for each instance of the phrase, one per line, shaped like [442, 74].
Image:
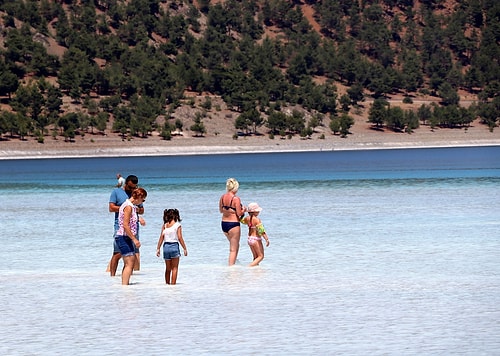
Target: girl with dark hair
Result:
[171, 237]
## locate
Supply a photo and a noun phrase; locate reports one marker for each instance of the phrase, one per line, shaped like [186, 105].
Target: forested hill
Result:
[127, 62]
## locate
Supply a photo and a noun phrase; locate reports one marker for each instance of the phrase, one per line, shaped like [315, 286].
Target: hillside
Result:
[150, 69]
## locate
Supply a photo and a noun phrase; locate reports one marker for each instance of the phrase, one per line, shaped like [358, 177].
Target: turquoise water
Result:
[372, 252]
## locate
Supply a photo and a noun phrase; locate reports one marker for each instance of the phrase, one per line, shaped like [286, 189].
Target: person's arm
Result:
[140, 209]
[181, 240]
[160, 240]
[220, 204]
[113, 208]
[266, 238]
[261, 231]
[240, 210]
[127, 212]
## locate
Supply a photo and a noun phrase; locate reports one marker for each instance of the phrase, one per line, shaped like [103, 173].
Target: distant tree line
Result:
[133, 60]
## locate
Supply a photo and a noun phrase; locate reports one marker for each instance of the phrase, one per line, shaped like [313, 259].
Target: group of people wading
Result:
[127, 202]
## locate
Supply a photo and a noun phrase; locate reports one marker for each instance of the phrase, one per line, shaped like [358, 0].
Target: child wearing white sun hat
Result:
[256, 232]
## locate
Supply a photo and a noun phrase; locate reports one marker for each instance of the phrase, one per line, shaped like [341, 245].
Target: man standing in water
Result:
[120, 180]
[117, 198]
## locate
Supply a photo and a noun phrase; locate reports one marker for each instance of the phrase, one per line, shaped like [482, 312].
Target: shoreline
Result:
[152, 151]
[362, 137]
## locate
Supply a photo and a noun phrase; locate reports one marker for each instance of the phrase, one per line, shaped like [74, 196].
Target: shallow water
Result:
[366, 256]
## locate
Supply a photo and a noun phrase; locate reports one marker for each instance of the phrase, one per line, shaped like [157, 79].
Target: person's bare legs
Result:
[113, 263]
[128, 268]
[233, 236]
[168, 269]
[137, 265]
[174, 267]
[257, 252]
[254, 250]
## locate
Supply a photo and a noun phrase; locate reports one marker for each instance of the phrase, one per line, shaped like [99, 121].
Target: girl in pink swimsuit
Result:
[256, 232]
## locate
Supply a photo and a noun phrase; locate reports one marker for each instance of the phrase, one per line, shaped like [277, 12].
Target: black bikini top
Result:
[230, 203]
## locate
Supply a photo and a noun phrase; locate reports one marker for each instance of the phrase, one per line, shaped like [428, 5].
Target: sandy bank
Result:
[362, 138]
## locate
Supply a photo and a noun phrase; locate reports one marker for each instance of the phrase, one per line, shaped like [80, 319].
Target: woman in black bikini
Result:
[231, 209]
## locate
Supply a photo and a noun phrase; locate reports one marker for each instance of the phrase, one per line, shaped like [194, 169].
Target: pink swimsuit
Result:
[252, 239]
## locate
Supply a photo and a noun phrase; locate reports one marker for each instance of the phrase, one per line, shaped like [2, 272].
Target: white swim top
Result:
[170, 233]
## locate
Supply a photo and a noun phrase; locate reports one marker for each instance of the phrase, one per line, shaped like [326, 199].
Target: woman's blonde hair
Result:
[232, 185]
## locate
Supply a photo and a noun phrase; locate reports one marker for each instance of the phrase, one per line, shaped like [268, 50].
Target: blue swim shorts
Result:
[126, 245]
[116, 248]
[171, 250]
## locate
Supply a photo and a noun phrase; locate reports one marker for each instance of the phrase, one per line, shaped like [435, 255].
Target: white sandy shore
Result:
[215, 149]
[362, 138]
